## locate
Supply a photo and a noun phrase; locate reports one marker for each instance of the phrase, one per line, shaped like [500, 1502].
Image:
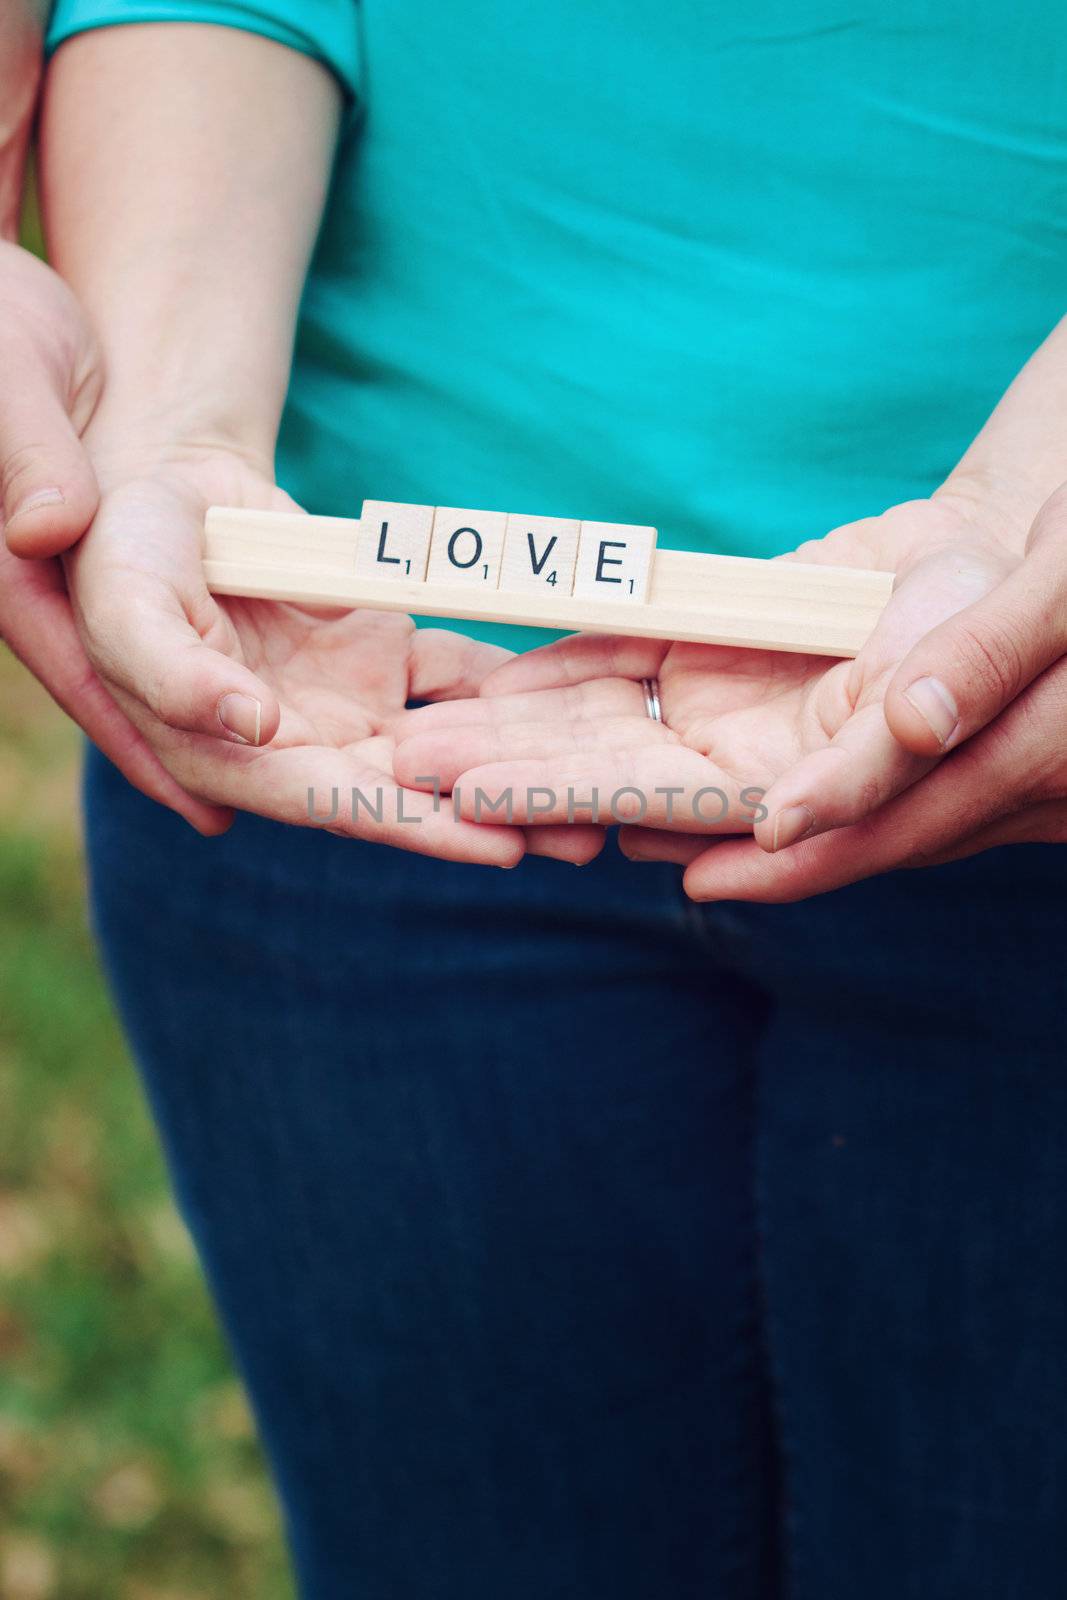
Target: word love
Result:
[491, 550]
[539, 572]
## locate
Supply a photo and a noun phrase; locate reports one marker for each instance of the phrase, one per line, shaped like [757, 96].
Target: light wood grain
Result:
[539, 555]
[394, 541]
[733, 600]
[467, 548]
[614, 562]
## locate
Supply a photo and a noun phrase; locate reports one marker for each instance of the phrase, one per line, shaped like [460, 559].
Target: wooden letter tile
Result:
[394, 540]
[467, 547]
[614, 562]
[539, 555]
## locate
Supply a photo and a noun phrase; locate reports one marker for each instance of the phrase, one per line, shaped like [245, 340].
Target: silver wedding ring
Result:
[652, 705]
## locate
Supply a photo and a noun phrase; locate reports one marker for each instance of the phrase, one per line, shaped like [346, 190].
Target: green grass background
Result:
[129, 1468]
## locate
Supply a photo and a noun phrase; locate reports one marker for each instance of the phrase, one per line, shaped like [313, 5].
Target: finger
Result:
[919, 827]
[141, 768]
[89, 704]
[660, 785]
[657, 844]
[48, 490]
[577, 844]
[959, 677]
[576, 659]
[1046, 822]
[144, 645]
[585, 702]
[864, 766]
[449, 666]
[54, 653]
[353, 794]
[861, 768]
[1003, 786]
[436, 760]
[737, 869]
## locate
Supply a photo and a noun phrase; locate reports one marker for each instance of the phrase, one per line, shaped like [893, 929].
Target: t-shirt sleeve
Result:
[324, 29]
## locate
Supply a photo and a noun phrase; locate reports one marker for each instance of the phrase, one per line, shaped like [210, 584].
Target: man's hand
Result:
[1008, 785]
[990, 685]
[50, 381]
[571, 718]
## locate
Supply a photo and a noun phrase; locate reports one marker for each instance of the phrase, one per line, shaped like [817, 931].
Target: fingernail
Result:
[936, 706]
[790, 825]
[34, 502]
[241, 715]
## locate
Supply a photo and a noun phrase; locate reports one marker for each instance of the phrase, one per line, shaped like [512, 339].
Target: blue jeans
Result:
[577, 1241]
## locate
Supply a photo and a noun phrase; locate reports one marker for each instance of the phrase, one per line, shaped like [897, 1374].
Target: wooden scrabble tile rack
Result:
[540, 572]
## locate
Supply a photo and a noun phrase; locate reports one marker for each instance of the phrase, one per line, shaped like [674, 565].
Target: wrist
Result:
[991, 507]
[142, 424]
[140, 441]
[1019, 458]
[193, 385]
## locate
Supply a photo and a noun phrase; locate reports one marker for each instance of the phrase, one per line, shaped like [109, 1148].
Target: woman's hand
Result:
[262, 706]
[190, 261]
[553, 726]
[251, 704]
[51, 380]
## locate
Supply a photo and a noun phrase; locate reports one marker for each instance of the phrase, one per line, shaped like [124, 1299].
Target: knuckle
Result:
[869, 794]
[182, 692]
[20, 466]
[1051, 521]
[158, 697]
[991, 659]
[168, 694]
[790, 877]
[103, 629]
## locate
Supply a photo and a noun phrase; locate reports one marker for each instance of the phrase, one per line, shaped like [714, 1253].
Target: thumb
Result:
[48, 490]
[151, 651]
[963, 673]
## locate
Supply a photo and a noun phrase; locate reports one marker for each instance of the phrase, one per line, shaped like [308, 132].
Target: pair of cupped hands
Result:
[942, 738]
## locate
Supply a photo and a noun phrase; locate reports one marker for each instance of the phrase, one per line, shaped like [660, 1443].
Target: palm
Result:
[573, 715]
[744, 711]
[340, 679]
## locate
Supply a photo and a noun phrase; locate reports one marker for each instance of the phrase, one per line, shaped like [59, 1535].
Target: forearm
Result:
[183, 171]
[1020, 456]
[21, 23]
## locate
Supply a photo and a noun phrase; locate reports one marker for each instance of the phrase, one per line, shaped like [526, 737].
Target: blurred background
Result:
[129, 1468]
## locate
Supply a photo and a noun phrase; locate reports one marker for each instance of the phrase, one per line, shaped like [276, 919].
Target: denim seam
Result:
[747, 1558]
[790, 1520]
[742, 1557]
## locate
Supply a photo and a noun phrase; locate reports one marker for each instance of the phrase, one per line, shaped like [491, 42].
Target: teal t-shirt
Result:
[740, 272]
